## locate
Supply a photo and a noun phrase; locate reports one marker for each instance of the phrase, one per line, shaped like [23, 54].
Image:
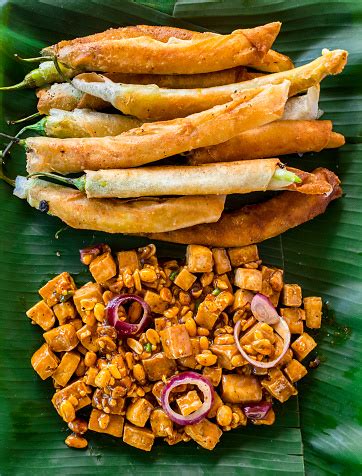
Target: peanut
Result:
[224, 415]
[99, 311]
[148, 275]
[90, 359]
[204, 343]
[76, 441]
[191, 328]
[135, 345]
[152, 336]
[67, 411]
[206, 359]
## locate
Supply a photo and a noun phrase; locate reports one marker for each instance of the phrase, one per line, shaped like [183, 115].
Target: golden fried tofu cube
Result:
[213, 374]
[205, 433]
[160, 323]
[140, 438]
[103, 267]
[87, 292]
[191, 361]
[223, 282]
[176, 342]
[272, 283]
[225, 352]
[250, 279]
[77, 389]
[216, 404]
[292, 295]
[303, 346]
[265, 329]
[161, 424]
[156, 303]
[208, 312]
[66, 368]
[128, 259]
[62, 338]
[139, 411]
[243, 254]
[42, 315]
[313, 311]
[242, 297]
[185, 279]
[295, 371]
[44, 362]
[87, 336]
[199, 259]
[269, 419]
[222, 263]
[90, 376]
[65, 312]
[294, 318]
[240, 388]
[189, 403]
[105, 423]
[57, 288]
[278, 385]
[159, 366]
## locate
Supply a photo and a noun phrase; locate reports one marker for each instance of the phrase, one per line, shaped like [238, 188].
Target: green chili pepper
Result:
[216, 292]
[78, 182]
[173, 275]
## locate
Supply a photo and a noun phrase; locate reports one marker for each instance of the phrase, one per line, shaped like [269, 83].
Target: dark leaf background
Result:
[320, 432]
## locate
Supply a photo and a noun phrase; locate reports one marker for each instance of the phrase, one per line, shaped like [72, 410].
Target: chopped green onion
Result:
[148, 347]
[216, 292]
[173, 275]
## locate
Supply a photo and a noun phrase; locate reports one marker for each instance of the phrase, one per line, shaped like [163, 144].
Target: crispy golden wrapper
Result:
[155, 141]
[119, 216]
[271, 140]
[256, 223]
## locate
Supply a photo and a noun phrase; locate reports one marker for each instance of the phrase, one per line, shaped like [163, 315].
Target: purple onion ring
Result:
[257, 411]
[93, 251]
[126, 328]
[191, 378]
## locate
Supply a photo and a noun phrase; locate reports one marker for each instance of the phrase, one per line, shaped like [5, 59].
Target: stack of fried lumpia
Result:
[222, 106]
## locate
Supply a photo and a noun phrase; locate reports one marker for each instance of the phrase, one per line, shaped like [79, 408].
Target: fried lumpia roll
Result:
[274, 139]
[271, 62]
[152, 102]
[256, 223]
[155, 141]
[210, 179]
[118, 216]
[144, 54]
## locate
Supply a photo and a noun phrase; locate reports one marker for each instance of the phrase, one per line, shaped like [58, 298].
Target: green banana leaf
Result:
[318, 433]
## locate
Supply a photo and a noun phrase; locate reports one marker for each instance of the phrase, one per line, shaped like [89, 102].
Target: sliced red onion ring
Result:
[263, 310]
[191, 378]
[280, 327]
[257, 411]
[93, 251]
[125, 328]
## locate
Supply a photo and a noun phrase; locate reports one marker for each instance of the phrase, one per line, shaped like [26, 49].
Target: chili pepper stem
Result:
[24, 119]
[15, 87]
[79, 182]
[2, 175]
[37, 59]
[60, 72]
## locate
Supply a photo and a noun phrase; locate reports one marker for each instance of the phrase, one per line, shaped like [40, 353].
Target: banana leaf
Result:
[318, 433]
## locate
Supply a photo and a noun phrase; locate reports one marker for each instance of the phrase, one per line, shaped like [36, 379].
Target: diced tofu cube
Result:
[139, 411]
[279, 386]
[90, 376]
[267, 332]
[161, 424]
[189, 403]
[77, 389]
[105, 423]
[140, 438]
[159, 366]
[272, 283]
[242, 297]
[250, 279]
[242, 255]
[42, 315]
[199, 259]
[216, 404]
[185, 279]
[156, 303]
[221, 260]
[65, 312]
[240, 389]
[294, 318]
[191, 361]
[295, 371]
[88, 291]
[57, 288]
[103, 268]
[87, 336]
[128, 259]
[205, 433]
[160, 323]
[62, 338]
[303, 346]
[208, 312]
[225, 352]
[44, 362]
[292, 295]
[223, 282]
[313, 312]
[66, 368]
[213, 374]
[176, 342]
